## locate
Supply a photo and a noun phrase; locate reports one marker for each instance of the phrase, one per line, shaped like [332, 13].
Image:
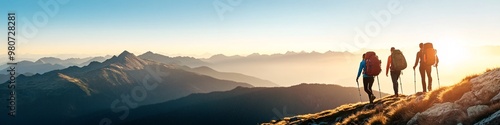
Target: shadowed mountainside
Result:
[242, 106]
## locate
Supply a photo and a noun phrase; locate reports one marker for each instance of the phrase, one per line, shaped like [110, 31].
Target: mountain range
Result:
[46, 64]
[72, 61]
[123, 82]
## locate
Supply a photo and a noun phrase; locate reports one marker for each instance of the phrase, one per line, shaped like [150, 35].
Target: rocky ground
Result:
[475, 100]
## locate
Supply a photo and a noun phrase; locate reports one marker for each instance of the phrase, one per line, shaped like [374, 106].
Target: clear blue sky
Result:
[193, 27]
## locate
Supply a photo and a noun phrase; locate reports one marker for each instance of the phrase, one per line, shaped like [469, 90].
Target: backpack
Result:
[373, 64]
[429, 54]
[398, 60]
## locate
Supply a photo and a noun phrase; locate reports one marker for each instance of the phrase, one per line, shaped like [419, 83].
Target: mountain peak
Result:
[51, 60]
[148, 52]
[126, 60]
[125, 54]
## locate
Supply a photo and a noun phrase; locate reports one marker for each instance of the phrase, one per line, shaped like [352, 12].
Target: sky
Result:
[201, 28]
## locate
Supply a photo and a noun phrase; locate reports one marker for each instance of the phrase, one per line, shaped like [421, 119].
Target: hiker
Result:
[369, 74]
[427, 57]
[395, 62]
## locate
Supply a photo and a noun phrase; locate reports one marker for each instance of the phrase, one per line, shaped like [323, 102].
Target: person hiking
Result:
[395, 63]
[368, 75]
[426, 57]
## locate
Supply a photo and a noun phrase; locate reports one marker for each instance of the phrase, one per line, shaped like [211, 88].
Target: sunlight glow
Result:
[451, 51]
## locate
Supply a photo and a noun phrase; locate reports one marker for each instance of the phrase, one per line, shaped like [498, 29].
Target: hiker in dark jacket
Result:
[424, 69]
[367, 80]
[394, 73]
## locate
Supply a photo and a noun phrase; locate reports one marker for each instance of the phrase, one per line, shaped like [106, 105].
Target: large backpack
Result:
[398, 60]
[373, 67]
[428, 54]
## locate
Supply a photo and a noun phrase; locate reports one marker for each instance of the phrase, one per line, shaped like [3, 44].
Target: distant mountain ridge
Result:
[47, 64]
[23, 67]
[289, 55]
[72, 61]
[179, 60]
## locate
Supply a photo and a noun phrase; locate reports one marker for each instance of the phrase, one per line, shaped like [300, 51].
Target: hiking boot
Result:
[372, 97]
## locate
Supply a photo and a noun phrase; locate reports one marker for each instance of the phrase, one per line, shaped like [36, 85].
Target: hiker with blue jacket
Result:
[368, 66]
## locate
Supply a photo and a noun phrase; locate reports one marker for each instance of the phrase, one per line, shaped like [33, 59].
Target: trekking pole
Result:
[415, 81]
[437, 71]
[359, 91]
[380, 92]
[401, 84]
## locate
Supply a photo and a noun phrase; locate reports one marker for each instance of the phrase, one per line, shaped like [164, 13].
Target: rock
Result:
[493, 119]
[468, 99]
[496, 98]
[440, 109]
[444, 113]
[475, 110]
[486, 85]
[450, 117]
[413, 120]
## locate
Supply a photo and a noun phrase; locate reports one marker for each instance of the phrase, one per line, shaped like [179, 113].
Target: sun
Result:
[451, 52]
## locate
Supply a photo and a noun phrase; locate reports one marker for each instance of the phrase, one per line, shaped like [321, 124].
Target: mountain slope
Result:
[123, 81]
[475, 100]
[242, 106]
